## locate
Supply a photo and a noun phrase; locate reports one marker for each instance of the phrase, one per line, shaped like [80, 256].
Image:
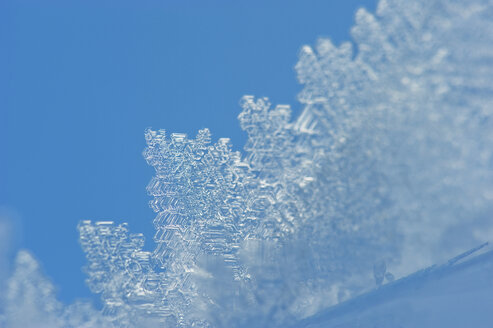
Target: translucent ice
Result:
[388, 169]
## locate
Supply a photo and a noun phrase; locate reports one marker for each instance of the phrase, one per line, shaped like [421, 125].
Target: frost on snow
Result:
[388, 169]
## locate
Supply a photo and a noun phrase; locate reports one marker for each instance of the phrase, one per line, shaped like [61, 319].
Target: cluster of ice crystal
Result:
[121, 272]
[388, 168]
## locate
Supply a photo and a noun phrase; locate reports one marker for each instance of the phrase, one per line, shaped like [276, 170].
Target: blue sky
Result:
[81, 80]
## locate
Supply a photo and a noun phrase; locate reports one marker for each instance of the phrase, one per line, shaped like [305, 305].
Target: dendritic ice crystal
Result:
[388, 169]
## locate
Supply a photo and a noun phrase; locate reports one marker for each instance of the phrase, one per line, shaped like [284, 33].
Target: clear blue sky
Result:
[81, 80]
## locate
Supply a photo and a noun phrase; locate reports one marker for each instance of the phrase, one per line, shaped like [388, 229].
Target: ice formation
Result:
[388, 169]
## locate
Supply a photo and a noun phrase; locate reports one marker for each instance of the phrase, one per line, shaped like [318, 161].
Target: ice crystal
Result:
[388, 168]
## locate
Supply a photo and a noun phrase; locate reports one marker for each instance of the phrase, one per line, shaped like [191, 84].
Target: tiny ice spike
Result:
[387, 169]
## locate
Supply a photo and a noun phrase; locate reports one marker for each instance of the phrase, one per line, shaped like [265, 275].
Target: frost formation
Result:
[388, 168]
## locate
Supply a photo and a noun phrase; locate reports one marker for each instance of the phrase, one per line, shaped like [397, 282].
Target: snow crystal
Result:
[388, 169]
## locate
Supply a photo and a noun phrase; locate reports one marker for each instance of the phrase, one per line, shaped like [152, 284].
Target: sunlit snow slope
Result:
[458, 293]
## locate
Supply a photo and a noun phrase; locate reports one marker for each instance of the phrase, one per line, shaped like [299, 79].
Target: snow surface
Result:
[388, 170]
[458, 293]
